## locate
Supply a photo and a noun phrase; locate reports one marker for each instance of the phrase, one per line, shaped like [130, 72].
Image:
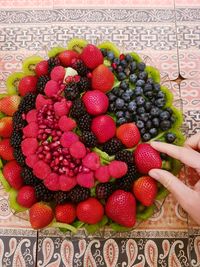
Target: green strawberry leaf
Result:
[92, 228]
[66, 226]
[153, 73]
[162, 193]
[3, 180]
[119, 228]
[146, 213]
[2, 115]
[78, 224]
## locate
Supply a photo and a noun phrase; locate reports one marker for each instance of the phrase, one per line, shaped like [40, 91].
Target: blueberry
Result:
[144, 117]
[126, 96]
[111, 68]
[125, 107]
[133, 78]
[120, 92]
[121, 121]
[124, 85]
[116, 61]
[110, 55]
[133, 66]
[155, 112]
[164, 115]
[156, 87]
[140, 124]
[165, 125]
[119, 114]
[127, 71]
[170, 137]
[160, 102]
[140, 100]
[112, 107]
[104, 52]
[141, 66]
[115, 90]
[140, 83]
[149, 94]
[156, 122]
[141, 110]
[127, 116]
[129, 92]
[120, 69]
[121, 76]
[119, 103]
[169, 110]
[143, 131]
[128, 58]
[153, 132]
[111, 97]
[132, 106]
[148, 106]
[148, 87]
[160, 94]
[143, 75]
[148, 124]
[150, 81]
[123, 63]
[146, 137]
[138, 91]
[172, 119]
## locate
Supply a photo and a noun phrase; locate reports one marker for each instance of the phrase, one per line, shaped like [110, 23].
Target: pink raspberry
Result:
[66, 124]
[77, 150]
[31, 116]
[51, 88]
[102, 174]
[85, 179]
[52, 182]
[117, 168]
[29, 146]
[41, 169]
[41, 101]
[58, 73]
[66, 182]
[91, 161]
[68, 138]
[31, 130]
[31, 160]
[61, 108]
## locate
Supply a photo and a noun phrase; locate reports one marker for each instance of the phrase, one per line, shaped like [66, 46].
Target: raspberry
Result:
[26, 196]
[41, 82]
[68, 138]
[91, 161]
[51, 88]
[28, 177]
[16, 138]
[66, 124]
[79, 193]
[77, 109]
[31, 130]
[41, 101]
[41, 169]
[58, 73]
[42, 193]
[84, 122]
[89, 139]
[85, 179]
[125, 155]
[112, 146]
[53, 62]
[72, 91]
[102, 174]
[31, 160]
[52, 182]
[66, 183]
[104, 190]
[61, 108]
[31, 116]
[117, 168]
[77, 150]
[29, 146]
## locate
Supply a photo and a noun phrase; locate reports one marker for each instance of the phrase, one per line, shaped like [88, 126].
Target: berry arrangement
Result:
[74, 137]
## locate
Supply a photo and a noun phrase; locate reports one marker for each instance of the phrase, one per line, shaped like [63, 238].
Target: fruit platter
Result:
[75, 133]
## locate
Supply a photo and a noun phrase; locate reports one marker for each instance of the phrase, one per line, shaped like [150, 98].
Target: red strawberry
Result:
[27, 85]
[6, 127]
[26, 196]
[65, 213]
[41, 68]
[9, 104]
[12, 173]
[128, 134]
[66, 57]
[147, 158]
[95, 102]
[145, 190]
[121, 208]
[6, 150]
[102, 79]
[92, 56]
[90, 211]
[117, 168]
[103, 127]
[40, 215]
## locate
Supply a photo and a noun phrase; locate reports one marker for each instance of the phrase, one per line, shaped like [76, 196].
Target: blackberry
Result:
[53, 62]
[16, 138]
[19, 156]
[113, 146]
[18, 121]
[71, 91]
[84, 84]
[84, 122]
[28, 177]
[79, 193]
[41, 82]
[27, 103]
[43, 194]
[77, 109]
[80, 67]
[61, 197]
[104, 190]
[125, 155]
[89, 139]
[126, 181]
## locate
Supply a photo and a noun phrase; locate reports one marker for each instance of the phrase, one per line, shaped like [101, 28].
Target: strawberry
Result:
[121, 208]
[40, 215]
[66, 57]
[90, 211]
[26, 196]
[12, 173]
[6, 150]
[128, 134]
[6, 127]
[65, 213]
[145, 190]
[103, 127]
[102, 79]
[147, 158]
[9, 104]
[41, 68]
[117, 168]
[27, 85]
[95, 102]
[92, 56]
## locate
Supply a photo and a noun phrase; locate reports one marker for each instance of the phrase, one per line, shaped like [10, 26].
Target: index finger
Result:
[193, 142]
[186, 155]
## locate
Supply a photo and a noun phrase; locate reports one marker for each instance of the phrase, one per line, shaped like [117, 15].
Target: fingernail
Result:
[154, 174]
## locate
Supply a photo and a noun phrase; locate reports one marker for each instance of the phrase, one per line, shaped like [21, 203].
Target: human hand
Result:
[188, 198]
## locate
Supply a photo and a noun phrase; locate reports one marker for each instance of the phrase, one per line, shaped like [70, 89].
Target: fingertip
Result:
[154, 173]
